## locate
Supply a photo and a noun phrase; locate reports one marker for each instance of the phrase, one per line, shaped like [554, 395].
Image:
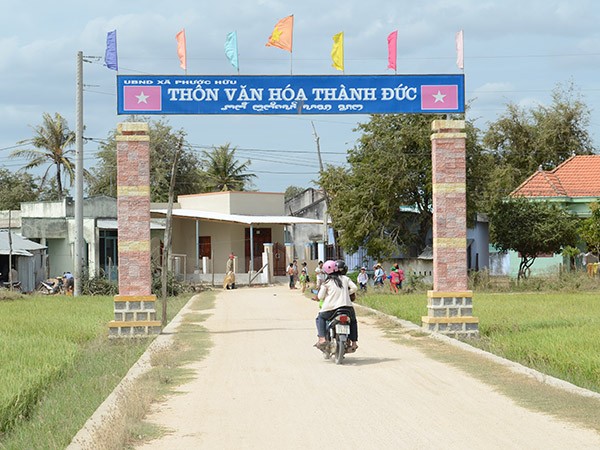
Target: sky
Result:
[514, 51]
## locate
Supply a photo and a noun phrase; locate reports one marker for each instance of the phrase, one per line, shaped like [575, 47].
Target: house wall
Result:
[309, 204]
[251, 203]
[15, 219]
[225, 238]
[60, 257]
[541, 266]
[480, 247]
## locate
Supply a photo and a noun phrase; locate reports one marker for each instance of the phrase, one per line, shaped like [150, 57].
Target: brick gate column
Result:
[450, 303]
[135, 312]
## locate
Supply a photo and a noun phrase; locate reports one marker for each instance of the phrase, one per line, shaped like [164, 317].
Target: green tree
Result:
[16, 188]
[292, 191]
[223, 172]
[383, 200]
[52, 141]
[589, 229]
[164, 142]
[531, 228]
[524, 139]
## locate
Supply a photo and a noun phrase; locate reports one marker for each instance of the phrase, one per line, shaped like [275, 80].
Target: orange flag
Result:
[282, 34]
[181, 51]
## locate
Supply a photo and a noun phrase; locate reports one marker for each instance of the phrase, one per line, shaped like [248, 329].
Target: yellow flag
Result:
[337, 52]
[282, 34]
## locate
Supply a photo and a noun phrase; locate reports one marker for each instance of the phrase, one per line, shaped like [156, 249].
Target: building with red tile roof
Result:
[574, 184]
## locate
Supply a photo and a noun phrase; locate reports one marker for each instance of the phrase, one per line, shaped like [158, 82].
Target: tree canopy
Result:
[589, 229]
[525, 139]
[531, 228]
[164, 142]
[383, 200]
[223, 172]
[16, 188]
[51, 141]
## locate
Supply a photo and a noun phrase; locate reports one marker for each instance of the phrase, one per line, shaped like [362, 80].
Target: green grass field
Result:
[57, 366]
[555, 333]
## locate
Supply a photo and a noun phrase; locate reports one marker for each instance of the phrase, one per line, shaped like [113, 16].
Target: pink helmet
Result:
[330, 267]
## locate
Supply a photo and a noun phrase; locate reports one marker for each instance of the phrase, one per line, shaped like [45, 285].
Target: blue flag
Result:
[110, 57]
[231, 49]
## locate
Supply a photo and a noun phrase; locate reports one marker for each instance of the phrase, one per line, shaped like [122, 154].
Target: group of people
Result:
[395, 277]
[303, 278]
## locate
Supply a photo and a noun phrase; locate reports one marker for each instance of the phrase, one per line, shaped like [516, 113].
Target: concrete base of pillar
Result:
[451, 314]
[135, 316]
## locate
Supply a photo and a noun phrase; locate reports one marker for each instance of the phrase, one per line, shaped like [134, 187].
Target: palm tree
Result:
[51, 141]
[225, 173]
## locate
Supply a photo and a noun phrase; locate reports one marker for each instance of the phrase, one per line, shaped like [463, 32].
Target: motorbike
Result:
[338, 330]
[52, 286]
[16, 285]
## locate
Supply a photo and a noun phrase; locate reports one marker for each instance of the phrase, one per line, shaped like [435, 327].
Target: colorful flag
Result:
[110, 56]
[231, 49]
[460, 61]
[337, 52]
[181, 50]
[282, 34]
[392, 49]
[436, 97]
[142, 98]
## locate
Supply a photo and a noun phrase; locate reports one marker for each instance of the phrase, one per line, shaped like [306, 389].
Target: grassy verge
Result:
[523, 389]
[57, 366]
[554, 333]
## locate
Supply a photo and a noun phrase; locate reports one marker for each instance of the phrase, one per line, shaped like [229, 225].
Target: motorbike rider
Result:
[335, 293]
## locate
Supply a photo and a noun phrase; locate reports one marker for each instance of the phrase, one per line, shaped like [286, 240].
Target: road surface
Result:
[264, 386]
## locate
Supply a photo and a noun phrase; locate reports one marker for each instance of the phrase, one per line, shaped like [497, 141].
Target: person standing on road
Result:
[335, 293]
[229, 282]
[290, 272]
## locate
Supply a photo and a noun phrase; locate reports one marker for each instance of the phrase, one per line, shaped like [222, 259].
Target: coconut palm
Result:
[52, 140]
[223, 172]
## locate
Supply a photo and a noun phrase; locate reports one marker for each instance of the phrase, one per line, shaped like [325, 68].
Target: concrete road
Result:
[264, 386]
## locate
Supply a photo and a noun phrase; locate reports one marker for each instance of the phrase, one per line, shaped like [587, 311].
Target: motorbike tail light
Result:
[344, 319]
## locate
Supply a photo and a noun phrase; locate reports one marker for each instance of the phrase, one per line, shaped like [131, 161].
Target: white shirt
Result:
[335, 297]
[362, 277]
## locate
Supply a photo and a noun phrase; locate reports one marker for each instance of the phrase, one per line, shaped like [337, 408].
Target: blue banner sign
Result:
[293, 94]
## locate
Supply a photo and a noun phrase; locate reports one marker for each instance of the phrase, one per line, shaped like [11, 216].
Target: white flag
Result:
[460, 61]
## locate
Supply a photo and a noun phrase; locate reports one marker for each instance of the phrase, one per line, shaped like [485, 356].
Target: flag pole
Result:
[237, 53]
[292, 48]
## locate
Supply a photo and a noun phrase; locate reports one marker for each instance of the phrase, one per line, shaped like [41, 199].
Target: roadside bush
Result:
[175, 287]
[414, 283]
[353, 276]
[98, 286]
[573, 281]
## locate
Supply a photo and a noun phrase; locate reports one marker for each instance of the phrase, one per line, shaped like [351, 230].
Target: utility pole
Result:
[78, 251]
[325, 211]
[167, 239]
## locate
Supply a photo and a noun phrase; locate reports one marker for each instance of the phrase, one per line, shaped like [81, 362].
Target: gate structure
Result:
[449, 303]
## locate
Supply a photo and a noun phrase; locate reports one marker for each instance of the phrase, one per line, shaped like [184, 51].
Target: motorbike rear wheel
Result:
[340, 350]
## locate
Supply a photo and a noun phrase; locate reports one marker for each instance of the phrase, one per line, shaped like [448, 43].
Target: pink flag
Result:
[181, 51]
[460, 61]
[439, 97]
[392, 49]
[142, 98]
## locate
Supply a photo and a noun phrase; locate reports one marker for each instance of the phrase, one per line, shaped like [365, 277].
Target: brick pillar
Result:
[449, 305]
[135, 312]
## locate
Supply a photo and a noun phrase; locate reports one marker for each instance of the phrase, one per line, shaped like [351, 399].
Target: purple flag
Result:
[110, 57]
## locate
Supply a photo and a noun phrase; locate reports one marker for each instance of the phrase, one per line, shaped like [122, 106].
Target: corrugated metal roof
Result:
[237, 218]
[20, 245]
[111, 224]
